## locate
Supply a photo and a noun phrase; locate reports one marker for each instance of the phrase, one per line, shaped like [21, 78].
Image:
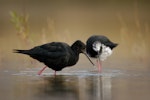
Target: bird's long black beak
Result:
[88, 58]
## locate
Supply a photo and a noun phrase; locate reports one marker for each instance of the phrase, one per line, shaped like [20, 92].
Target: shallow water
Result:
[111, 84]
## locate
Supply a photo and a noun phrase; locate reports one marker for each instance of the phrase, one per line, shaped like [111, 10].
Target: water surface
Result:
[111, 84]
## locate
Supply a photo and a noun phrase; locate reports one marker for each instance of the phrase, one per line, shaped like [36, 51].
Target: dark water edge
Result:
[111, 84]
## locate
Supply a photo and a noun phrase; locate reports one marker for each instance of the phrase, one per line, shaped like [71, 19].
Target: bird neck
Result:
[74, 57]
[75, 50]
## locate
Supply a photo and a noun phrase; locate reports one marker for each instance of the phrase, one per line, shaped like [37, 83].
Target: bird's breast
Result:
[106, 51]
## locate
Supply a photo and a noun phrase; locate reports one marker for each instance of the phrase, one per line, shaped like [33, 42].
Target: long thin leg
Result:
[99, 64]
[40, 72]
[55, 73]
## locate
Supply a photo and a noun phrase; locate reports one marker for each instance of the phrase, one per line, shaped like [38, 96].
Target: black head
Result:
[78, 46]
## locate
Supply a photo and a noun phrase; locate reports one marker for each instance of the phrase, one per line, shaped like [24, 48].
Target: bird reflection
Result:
[99, 88]
[103, 88]
[75, 87]
[54, 84]
[57, 87]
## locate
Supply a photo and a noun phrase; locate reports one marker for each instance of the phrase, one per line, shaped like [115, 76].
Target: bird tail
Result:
[20, 51]
[115, 44]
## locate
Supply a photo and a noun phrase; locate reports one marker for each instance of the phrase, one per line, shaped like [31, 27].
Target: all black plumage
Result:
[100, 47]
[56, 55]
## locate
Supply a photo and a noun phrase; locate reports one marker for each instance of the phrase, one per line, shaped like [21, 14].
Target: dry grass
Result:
[21, 24]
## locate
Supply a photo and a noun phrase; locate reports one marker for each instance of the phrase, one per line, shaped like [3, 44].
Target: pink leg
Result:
[40, 72]
[99, 65]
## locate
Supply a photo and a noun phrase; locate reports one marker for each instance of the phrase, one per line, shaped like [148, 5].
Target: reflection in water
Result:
[101, 88]
[57, 87]
[75, 88]
[106, 86]
[84, 86]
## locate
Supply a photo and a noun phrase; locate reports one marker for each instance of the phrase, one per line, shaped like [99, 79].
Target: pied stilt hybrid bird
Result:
[100, 47]
[56, 55]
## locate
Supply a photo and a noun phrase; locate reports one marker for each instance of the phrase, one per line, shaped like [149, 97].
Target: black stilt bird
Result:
[56, 55]
[100, 47]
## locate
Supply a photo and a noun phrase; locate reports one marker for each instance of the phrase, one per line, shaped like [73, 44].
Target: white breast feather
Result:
[106, 51]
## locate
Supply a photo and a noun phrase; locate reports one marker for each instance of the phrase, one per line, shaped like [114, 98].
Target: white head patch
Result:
[97, 46]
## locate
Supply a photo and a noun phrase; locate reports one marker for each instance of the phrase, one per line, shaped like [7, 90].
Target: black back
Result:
[56, 55]
[103, 39]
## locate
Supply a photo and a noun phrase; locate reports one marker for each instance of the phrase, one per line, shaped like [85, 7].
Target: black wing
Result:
[51, 51]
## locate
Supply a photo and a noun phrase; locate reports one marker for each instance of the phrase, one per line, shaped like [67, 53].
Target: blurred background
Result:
[28, 23]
